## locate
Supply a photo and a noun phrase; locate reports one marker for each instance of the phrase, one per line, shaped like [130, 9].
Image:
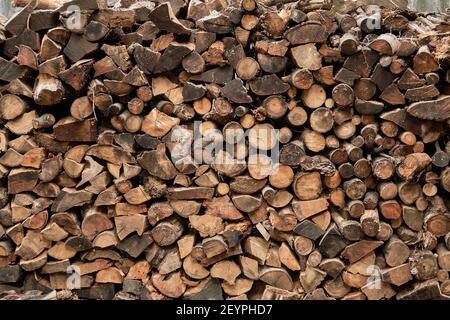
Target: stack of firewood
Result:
[101, 190]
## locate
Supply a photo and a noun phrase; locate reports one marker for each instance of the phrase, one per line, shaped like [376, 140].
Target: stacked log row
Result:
[101, 192]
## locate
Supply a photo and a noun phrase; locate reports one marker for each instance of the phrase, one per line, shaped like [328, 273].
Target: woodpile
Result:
[101, 192]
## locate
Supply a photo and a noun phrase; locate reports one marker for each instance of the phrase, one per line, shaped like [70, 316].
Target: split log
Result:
[10, 71]
[314, 60]
[385, 44]
[268, 85]
[128, 224]
[309, 32]
[164, 170]
[48, 90]
[358, 250]
[80, 131]
[276, 277]
[11, 107]
[78, 47]
[349, 44]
